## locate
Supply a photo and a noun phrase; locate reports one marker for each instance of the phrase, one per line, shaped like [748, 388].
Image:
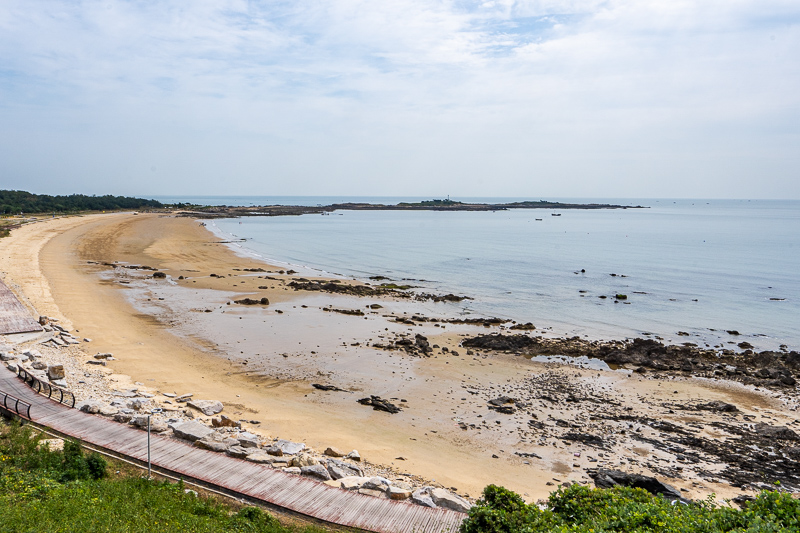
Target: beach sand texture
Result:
[260, 363]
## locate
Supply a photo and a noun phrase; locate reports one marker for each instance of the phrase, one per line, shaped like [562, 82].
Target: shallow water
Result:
[701, 267]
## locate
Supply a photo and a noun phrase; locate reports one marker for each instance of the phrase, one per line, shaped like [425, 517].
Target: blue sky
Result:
[547, 98]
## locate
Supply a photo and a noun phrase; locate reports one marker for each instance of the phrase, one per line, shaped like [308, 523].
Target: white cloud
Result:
[598, 95]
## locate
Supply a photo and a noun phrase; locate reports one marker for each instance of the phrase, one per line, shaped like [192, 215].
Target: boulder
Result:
[316, 471]
[238, 451]
[274, 450]
[377, 483]
[259, 457]
[605, 479]
[11, 366]
[107, 410]
[354, 455]
[207, 407]
[90, 406]
[38, 365]
[292, 470]
[248, 440]
[304, 460]
[290, 448]
[123, 418]
[7, 356]
[372, 492]
[352, 482]
[448, 500]
[333, 452]
[56, 372]
[155, 425]
[396, 493]
[775, 432]
[191, 431]
[340, 469]
[212, 445]
[225, 421]
[422, 497]
[137, 404]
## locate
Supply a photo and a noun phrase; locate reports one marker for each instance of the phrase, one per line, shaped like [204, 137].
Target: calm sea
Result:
[698, 266]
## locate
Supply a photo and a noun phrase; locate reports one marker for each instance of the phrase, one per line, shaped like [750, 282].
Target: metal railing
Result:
[42, 387]
[13, 403]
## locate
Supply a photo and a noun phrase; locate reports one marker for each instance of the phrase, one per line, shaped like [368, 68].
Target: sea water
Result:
[703, 267]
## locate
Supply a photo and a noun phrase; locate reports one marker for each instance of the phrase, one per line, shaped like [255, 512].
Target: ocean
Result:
[702, 267]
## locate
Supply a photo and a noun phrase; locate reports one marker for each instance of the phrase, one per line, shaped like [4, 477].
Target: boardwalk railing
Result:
[14, 404]
[42, 387]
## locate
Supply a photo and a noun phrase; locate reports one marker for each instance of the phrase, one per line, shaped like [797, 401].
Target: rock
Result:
[352, 482]
[292, 470]
[38, 365]
[377, 483]
[207, 407]
[7, 356]
[604, 479]
[183, 398]
[304, 460]
[354, 455]
[274, 451]
[191, 430]
[322, 387]
[499, 342]
[259, 457]
[379, 404]
[56, 372]
[248, 440]
[12, 367]
[159, 275]
[316, 471]
[422, 497]
[137, 404]
[396, 493]
[372, 492]
[108, 410]
[57, 382]
[333, 452]
[224, 422]
[103, 356]
[289, 447]
[123, 418]
[775, 432]
[448, 500]
[721, 407]
[90, 406]
[155, 425]
[53, 445]
[340, 469]
[212, 445]
[238, 451]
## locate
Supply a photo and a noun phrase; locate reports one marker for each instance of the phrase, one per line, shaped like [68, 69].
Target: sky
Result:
[530, 98]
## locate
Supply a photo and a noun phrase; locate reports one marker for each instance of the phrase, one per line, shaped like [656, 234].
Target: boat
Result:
[555, 214]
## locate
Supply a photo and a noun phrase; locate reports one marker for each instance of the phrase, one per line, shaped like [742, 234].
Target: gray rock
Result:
[7, 356]
[90, 406]
[137, 404]
[191, 430]
[352, 482]
[422, 497]
[292, 470]
[316, 471]
[38, 365]
[156, 426]
[605, 479]
[260, 457]
[59, 383]
[123, 418]
[377, 483]
[248, 440]
[775, 432]
[183, 397]
[290, 448]
[448, 500]
[274, 450]
[238, 451]
[107, 410]
[12, 367]
[207, 407]
[340, 469]
[354, 455]
[210, 444]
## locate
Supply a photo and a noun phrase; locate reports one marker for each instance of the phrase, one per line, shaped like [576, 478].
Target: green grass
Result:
[69, 492]
[583, 510]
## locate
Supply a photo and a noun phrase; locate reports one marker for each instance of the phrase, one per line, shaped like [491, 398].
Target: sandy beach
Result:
[182, 334]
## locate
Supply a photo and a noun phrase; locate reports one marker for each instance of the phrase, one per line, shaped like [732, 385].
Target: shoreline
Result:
[457, 457]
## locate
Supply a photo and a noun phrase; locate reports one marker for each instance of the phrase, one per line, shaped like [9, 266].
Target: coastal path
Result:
[257, 483]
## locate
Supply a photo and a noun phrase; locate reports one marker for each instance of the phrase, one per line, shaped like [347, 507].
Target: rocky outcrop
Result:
[605, 479]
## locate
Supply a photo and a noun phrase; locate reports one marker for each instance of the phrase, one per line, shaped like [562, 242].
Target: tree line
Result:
[16, 202]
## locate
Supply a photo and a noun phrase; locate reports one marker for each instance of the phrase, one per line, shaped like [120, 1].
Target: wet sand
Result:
[183, 335]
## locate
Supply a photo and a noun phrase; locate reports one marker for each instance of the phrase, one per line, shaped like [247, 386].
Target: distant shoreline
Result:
[226, 211]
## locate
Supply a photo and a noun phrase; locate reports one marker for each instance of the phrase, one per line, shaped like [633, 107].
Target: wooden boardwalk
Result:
[14, 318]
[236, 477]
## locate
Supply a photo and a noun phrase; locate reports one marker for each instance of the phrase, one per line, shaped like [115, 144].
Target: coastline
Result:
[91, 299]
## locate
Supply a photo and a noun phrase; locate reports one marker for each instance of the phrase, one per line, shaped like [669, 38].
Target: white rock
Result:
[352, 482]
[191, 430]
[207, 407]
[377, 483]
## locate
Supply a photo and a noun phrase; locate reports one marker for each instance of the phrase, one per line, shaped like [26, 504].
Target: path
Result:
[235, 476]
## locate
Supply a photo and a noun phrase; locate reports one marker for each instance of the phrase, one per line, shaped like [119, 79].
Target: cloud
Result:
[556, 97]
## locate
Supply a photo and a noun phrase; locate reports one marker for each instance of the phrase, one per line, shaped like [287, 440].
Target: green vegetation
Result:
[16, 202]
[69, 492]
[583, 510]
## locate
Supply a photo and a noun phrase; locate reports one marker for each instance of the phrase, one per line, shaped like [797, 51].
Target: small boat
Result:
[555, 214]
[539, 219]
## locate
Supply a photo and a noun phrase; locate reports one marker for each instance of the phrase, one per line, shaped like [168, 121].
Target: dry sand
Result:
[260, 363]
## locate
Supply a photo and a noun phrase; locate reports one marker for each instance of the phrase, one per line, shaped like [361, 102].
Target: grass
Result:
[68, 491]
[579, 509]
